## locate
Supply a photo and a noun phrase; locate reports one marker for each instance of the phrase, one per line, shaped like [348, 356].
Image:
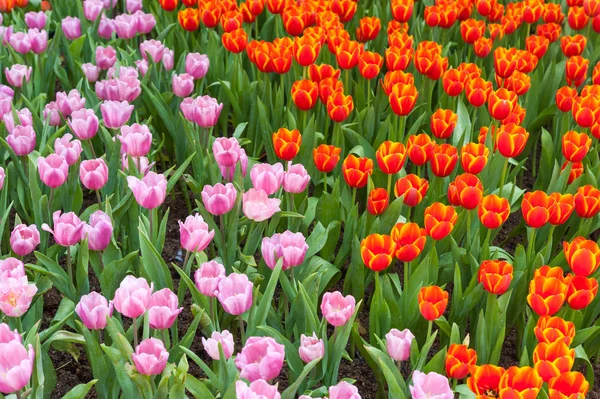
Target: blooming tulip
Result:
[93, 310]
[22, 140]
[311, 348]
[71, 27]
[24, 239]
[235, 293]
[458, 361]
[162, 309]
[133, 296]
[105, 57]
[84, 123]
[432, 302]
[53, 170]
[67, 228]
[196, 65]
[267, 177]
[98, 231]
[430, 385]
[194, 233]
[7, 335]
[211, 345]
[219, 199]
[343, 390]
[258, 389]
[149, 192]
[226, 151]
[135, 140]
[336, 308]
[35, 20]
[290, 247]
[257, 205]
[207, 277]
[16, 295]
[16, 74]
[11, 268]
[261, 358]
[16, 366]
[295, 179]
[150, 357]
[68, 149]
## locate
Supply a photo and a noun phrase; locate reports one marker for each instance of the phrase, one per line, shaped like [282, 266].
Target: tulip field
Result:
[295, 199]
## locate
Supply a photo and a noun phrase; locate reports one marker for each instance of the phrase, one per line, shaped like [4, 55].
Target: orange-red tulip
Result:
[518, 82]
[587, 201]
[550, 31]
[485, 380]
[569, 385]
[378, 201]
[189, 19]
[398, 58]
[339, 106]
[442, 123]
[305, 94]
[577, 18]
[345, 9]
[573, 45]
[583, 256]
[306, 49]
[412, 187]
[403, 98]
[474, 157]
[369, 64]
[547, 290]
[276, 6]
[168, 5]
[551, 360]
[564, 208]
[496, 276]
[410, 240]
[466, 191]
[581, 292]
[537, 45]
[323, 71]
[575, 146]
[471, 30]
[326, 157]
[459, 360]
[440, 219]
[348, 53]
[537, 208]
[493, 211]
[295, 19]
[550, 329]
[390, 157]
[232, 20]
[377, 251]
[444, 159]
[453, 82]
[420, 148]
[329, 86]
[585, 110]
[368, 29]
[501, 103]
[429, 61]
[511, 140]
[576, 70]
[576, 170]
[526, 61]
[521, 383]
[477, 91]
[287, 143]
[564, 98]
[553, 13]
[235, 41]
[505, 61]
[483, 46]
[356, 171]
[402, 9]
[392, 78]
[432, 302]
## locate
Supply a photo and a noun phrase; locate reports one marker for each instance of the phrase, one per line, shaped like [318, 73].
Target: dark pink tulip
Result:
[67, 228]
[135, 140]
[126, 26]
[16, 363]
[261, 358]
[115, 114]
[38, 39]
[336, 308]
[235, 293]
[183, 85]
[69, 149]
[106, 28]
[211, 345]
[219, 199]
[52, 114]
[35, 20]
[7, 335]
[295, 179]
[150, 191]
[16, 74]
[150, 357]
[24, 239]
[98, 231]
[207, 278]
[197, 65]
[20, 42]
[92, 8]
[71, 27]
[22, 140]
[69, 103]
[133, 5]
[93, 173]
[257, 389]
[11, 268]
[168, 59]
[145, 22]
[257, 205]
[133, 296]
[84, 123]
[267, 177]
[152, 48]
[163, 309]
[194, 233]
[105, 57]
[15, 297]
[291, 247]
[25, 119]
[93, 310]
[226, 151]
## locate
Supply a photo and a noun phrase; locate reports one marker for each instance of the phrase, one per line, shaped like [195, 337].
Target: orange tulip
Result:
[339, 106]
[581, 292]
[547, 290]
[305, 94]
[577, 18]
[400, 39]
[282, 56]
[329, 86]
[576, 70]
[532, 11]
[471, 30]
[440, 219]
[326, 157]
[550, 329]
[348, 53]
[420, 148]
[442, 123]
[335, 37]
[295, 19]
[484, 7]
[410, 240]
[255, 7]
[329, 20]
[575, 172]
[398, 58]
[403, 98]
[537, 45]
[345, 9]
[429, 61]
[518, 82]
[235, 41]
[553, 13]
[526, 61]
[390, 157]
[459, 360]
[596, 74]
[232, 20]
[485, 380]
[496, 276]
[477, 91]
[466, 190]
[575, 146]
[496, 31]
[568, 385]
[463, 9]
[471, 69]
[585, 110]
[369, 64]
[483, 46]
[189, 19]
[564, 208]
[306, 50]
[474, 157]
[453, 82]
[433, 15]
[319, 72]
[520, 382]
[378, 201]
[493, 211]
[377, 251]
[287, 143]
[517, 116]
[564, 98]
[356, 171]
[392, 78]
[444, 159]
[412, 187]
[276, 6]
[448, 14]
[402, 9]
[550, 31]
[505, 62]
[432, 302]
[587, 201]
[168, 5]
[583, 256]
[551, 360]
[368, 29]
[395, 27]
[588, 90]
[573, 45]
[501, 103]
[511, 140]
[537, 208]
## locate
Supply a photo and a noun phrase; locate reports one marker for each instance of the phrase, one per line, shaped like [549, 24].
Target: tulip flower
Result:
[219, 199]
[16, 364]
[336, 308]
[235, 293]
[474, 157]
[430, 385]
[52, 114]
[575, 146]
[17, 74]
[24, 239]
[98, 231]
[115, 114]
[443, 160]
[493, 211]
[287, 143]
[571, 384]
[583, 256]
[495, 276]
[53, 170]
[11, 268]
[258, 389]
[257, 205]
[162, 309]
[311, 348]
[84, 123]
[432, 302]
[520, 382]
[564, 208]
[150, 357]
[398, 344]
[343, 390]
[547, 290]
[260, 358]
[67, 228]
[194, 233]
[132, 298]
[22, 140]
[7, 335]
[35, 20]
[71, 27]
[377, 251]
[339, 106]
[16, 295]
[459, 360]
[390, 157]
[410, 240]
[537, 208]
[69, 149]
[93, 173]
[207, 277]
[93, 310]
[587, 201]
[304, 94]
[291, 247]
[485, 380]
[442, 123]
[24, 119]
[135, 140]
[295, 179]
[267, 177]
[466, 190]
[326, 157]
[551, 360]
[378, 201]
[403, 97]
[211, 345]
[226, 151]
[356, 171]
[150, 191]
[235, 41]
[196, 65]
[439, 220]
[550, 329]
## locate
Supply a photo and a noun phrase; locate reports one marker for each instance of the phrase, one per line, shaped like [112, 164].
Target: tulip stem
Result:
[135, 329]
[223, 243]
[241, 319]
[368, 93]
[503, 176]
[400, 132]
[324, 182]
[531, 245]
[18, 393]
[69, 267]
[429, 328]
[99, 197]
[488, 237]
[50, 202]
[469, 222]
[406, 274]
[92, 148]
[353, 196]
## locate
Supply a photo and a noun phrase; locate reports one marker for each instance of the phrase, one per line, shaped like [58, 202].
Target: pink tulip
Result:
[197, 65]
[22, 140]
[5, 34]
[91, 72]
[126, 26]
[38, 40]
[336, 308]
[52, 114]
[133, 6]
[259, 389]
[106, 28]
[430, 386]
[15, 296]
[69, 149]
[141, 164]
[123, 72]
[35, 20]
[311, 348]
[150, 192]
[142, 66]
[24, 116]
[98, 231]
[229, 173]
[267, 177]
[135, 140]
[2, 177]
[150, 357]
[211, 345]
[109, 4]
[125, 88]
[67, 228]
[291, 247]
[206, 111]
[16, 366]
[7, 335]
[5, 104]
[207, 278]
[115, 114]
[84, 123]
[133, 297]
[93, 173]
[309, 397]
[16, 74]
[344, 390]
[20, 42]
[295, 179]
[6, 92]
[163, 309]
[261, 358]
[398, 344]
[53, 170]
[194, 234]
[24, 239]
[219, 199]
[11, 268]
[71, 27]
[187, 108]
[105, 57]
[93, 310]
[235, 293]
[92, 8]
[257, 205]
[183, 85]
[69, 103]
[226, 151]
[153, 48]
[168, 59]
[145, 22]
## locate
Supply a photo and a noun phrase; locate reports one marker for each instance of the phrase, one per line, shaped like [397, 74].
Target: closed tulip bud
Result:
[432, 302]
[93, 310]
[295, 179]
[133, 296]
[378, 201]
[412, 188]
[288, 246]
[398, 344]
[311, 348]
[24, 239]
[356, 171]
[551, 360]
[577, 18]
[150, 357]
[568, 385]
[182, 85]
[235, 293]
[453, 82]
[485, 380]
[550, 329]
[576, 70]
[505, 62]
[17, 364]
[287, 143]
[444, 160]
[71, 27]
[17, 75]
[410, 240]
[511, 140]
[403, 98]
[547, 290]
[336, 308]
[93, 173]
[459, 360]
[495, 276]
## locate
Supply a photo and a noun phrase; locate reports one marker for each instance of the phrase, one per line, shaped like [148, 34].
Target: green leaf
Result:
[154, 267]
[80, 391]
[259, 316]
[290, 392]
